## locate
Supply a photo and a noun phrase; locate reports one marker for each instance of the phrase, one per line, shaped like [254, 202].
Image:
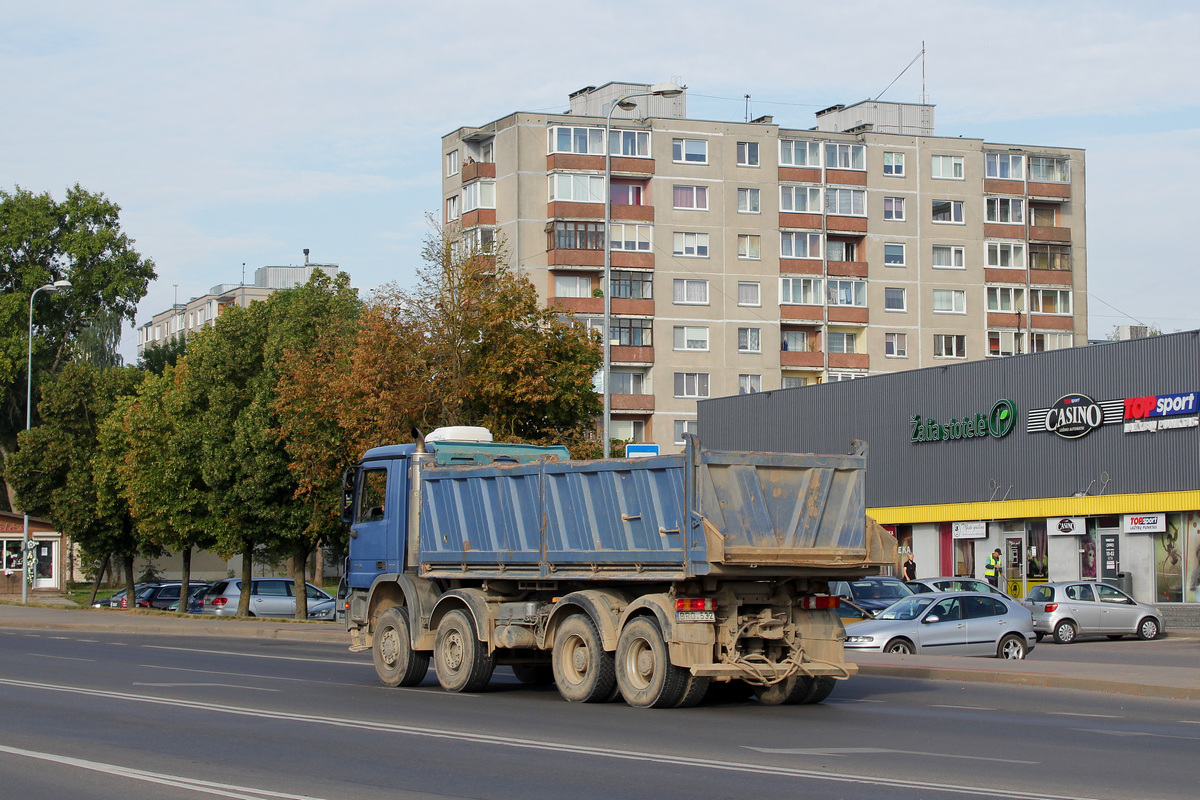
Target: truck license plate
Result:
[695, 616]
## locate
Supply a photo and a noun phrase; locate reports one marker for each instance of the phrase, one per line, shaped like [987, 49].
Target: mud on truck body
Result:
[651, 578]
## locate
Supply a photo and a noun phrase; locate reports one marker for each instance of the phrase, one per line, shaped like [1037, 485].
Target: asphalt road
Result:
[105, 715]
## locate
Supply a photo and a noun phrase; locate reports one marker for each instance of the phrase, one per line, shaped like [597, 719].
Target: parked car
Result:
[955, 623]
[861, 599]
[952, 584]
[1072, 609]
[117, 600]
[165, 595]
[269, 597]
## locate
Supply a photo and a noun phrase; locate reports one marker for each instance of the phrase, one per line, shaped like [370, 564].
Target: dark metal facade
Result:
[1020, 465]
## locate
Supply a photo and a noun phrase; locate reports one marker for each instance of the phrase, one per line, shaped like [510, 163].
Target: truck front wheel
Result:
[645, 673]
[583, 671]
[396, 663]
[461, 661]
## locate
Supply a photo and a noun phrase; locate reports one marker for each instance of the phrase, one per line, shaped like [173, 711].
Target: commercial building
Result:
[198, 312]
[749, 257]
[1078, 464]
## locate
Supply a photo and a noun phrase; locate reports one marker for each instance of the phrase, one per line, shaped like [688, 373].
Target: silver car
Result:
[952, 623]
[952, 584]
[269, 597]
[1072, 609]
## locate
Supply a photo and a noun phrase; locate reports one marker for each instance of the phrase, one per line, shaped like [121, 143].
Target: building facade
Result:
[1082, 463]
[748, 257]
[199, 312]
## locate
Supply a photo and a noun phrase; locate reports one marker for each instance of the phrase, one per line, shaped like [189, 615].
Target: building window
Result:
[480, 240]
[948, 211]
[691, 197]
[1051, 341]
[1050, 301]
[1005, 165]
[749, 340]
[747, 154]
[749, 384]
[793, 382]
[626, 194]
[893, 208]
[585, 141]
[690, 292]
[1006, 343]
[691, 384]
[683, 426]
[841, 251]
[632, 285]
[893, 254]
[895, 345]
[1050, 256]
[846, 293]
[1043, 216]
[794, 341]
[630, 237]
[451, 163]
[451, 208]
[577, 236]
[480, 194]
[749, 245]
[572, 286]
[846, 202]
[689, 151]
[947, 345]
[748, 201]
[793, 244]
[1006, 209]
[845, 156]
[794, 153]
[947, 256]
[803, 199]
[893, 163]
[1006, 254]
[632, 332]
[842, 342]
[627, 383]
[1005, 298]
[634, 144]
[1051, 170]
[949, 301]
[627, 430]
[691, 244]
[800, 291]
[947, 168]
[748, 294]
[690, 337]
[837, 377]
[893, 299]
[577, 188]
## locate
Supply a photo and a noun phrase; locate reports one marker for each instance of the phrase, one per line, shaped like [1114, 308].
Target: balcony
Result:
[801, 266]
[1000, 186]
[624, 354]
[631, 307]
[846, 177]
[572, 210]
[623, 212]
[1054, 192]
[806, 313]
[1004, 319]
[999, 275]
[846, 224]
[579, 305]
[999, 230]
[795, 219]
[1043, 233]
[848, 315]
[851, 269]
[809, 359]
[563, 257]
[1052, 277]
[480, 216]
[472, 170]
[621, 165]
[1055, 322]
[849, 361]
[632, 402]
[800, 174]
[624, 165]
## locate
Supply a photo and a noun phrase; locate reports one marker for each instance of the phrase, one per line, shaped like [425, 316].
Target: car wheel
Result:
[583, 671]
[900, 647]
[645, 673]
[1039, 636]
[1148, 629]
[1064, 632]
[396, 663]
[461, 661]
[1011, 646]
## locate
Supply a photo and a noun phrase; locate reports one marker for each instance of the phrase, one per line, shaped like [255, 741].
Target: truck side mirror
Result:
[349, 483]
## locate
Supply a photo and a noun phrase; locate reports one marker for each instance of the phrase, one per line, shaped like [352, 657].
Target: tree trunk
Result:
[130, 601]
[299, 568]
[99, 577]
[319, 566]
[247, 581]
[185, 580]
[13, 505]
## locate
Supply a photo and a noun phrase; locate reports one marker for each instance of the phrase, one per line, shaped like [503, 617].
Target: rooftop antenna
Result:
[921, 57]
[747, 108]
[922, 72]
[243, 273]
[306, 256]
[176, 285]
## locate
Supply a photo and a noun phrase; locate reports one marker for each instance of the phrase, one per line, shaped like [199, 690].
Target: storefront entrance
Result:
[1014, 564]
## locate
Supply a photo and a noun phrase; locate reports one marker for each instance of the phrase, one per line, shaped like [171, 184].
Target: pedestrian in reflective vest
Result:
[992, 570]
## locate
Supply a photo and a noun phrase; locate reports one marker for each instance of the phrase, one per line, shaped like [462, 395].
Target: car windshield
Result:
[908, 608]
[880, 590]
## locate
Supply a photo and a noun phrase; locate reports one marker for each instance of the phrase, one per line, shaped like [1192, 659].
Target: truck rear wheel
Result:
[396, 663]
[583, 671]
[461, 661]
[645, 673]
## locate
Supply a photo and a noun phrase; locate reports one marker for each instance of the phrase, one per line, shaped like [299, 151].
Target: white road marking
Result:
[221, 685]
[162, 779]
[964, 708]
[1093, 716]
[1131, 734]
[552, 746]
[61, 658]
[1190, 721]
[230, 674]
[856, 751]
[258, 655]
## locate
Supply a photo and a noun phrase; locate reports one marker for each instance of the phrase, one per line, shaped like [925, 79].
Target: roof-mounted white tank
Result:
[460, 433]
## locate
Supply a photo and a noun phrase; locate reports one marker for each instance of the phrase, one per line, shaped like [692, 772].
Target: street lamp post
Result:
[623, 103]
[26, 553]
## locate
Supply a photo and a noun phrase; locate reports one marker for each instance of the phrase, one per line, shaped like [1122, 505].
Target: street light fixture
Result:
[623, 103]
[26, 554]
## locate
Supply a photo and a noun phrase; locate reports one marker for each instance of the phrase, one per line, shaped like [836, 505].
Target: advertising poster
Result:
[1168, 561]
[1191, 557]
[1087, 556]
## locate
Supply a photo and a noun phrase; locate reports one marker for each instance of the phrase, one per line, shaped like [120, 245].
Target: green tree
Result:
[157, 356]
[41, 241]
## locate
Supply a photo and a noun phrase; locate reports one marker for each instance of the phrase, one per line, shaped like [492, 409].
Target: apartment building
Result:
[199, 312]
[749, 257]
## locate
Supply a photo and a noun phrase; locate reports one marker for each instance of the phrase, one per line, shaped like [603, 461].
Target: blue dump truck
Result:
[656, 579]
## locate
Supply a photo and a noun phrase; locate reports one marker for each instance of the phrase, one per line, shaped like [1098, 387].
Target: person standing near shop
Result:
[910, 568]
[992, 570]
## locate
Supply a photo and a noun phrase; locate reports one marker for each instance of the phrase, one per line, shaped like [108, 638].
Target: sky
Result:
[236, 133]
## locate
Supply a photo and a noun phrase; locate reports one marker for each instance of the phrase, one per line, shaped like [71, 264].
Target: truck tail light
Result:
[1050, 607]
[820, 601]
[695, 604]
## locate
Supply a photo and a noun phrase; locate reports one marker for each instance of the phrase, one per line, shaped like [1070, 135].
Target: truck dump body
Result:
[653, 519]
